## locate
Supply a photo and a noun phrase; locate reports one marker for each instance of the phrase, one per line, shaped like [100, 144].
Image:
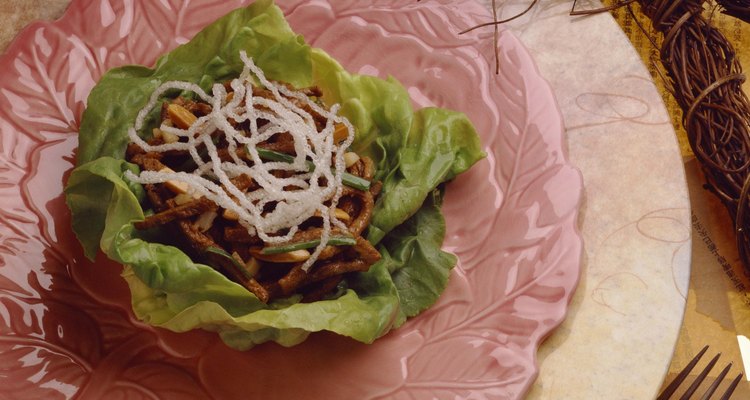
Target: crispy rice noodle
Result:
[221, 146]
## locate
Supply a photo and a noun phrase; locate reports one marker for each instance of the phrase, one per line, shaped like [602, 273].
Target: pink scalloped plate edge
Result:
[67, 329]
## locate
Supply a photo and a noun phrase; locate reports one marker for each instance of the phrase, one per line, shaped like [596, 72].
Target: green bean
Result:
[239, 266]
[332, 241]
[348, 179]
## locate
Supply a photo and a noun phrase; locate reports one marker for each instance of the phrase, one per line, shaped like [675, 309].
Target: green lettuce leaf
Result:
[100, 198]
[440, 145]
[414, 152]
[211, 56]
[412, 255]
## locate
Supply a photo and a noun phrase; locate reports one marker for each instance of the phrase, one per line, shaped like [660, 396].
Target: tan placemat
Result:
[15, 14]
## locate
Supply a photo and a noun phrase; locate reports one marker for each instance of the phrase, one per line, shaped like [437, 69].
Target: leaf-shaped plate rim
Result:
[530, 75]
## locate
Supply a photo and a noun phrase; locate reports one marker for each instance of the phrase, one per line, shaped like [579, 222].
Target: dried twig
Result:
[737, 8]
[496, 23]
[615, 6]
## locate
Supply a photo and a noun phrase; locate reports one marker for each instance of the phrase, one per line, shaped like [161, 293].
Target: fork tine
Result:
[732, 386]
[681, 376]
[700, 378]
[711, 389]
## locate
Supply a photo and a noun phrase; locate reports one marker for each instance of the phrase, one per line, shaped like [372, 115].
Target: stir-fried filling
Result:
[257, 180]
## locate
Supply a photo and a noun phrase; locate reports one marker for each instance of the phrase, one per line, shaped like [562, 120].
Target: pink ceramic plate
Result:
[67, 328]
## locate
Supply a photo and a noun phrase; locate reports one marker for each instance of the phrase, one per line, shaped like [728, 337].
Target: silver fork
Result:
[669, 390]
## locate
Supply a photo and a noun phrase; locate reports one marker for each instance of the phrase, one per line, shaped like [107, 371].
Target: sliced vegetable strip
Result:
[332, 241]
[350, 180]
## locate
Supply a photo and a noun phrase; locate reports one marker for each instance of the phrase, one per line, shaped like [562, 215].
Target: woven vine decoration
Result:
[705, 77]
[737, 8]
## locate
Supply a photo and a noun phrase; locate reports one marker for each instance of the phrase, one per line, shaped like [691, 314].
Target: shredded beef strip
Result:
[186, 210]
[281, 279]
[322, 289]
